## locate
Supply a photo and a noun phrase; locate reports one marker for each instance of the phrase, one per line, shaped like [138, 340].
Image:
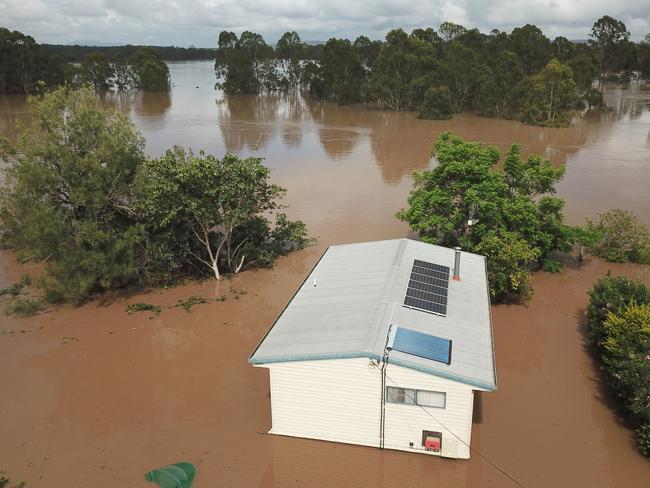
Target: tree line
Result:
[27, 67]
[80, 195]
[520, 75]
[76, 53]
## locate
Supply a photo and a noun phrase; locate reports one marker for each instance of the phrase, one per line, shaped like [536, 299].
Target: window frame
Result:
[416, 391]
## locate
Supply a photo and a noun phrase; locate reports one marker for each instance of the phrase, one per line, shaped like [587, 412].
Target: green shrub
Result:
[24, 307]
[437, 104]
[623, 237]
[611, 295]
[551, 265]
[624, 351]
[507, 265]
[132, 308]
[17, 288]
[191, 301]
[643, 439]
[619, 326]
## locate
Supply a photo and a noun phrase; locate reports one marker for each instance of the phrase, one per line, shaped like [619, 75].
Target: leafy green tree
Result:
[606, 37]
[551, 96]
[67, 196]
[427, 35]
[97, 71]
[150, 73]
[290, 51]
[216, 210]
[242, 64]
[464, 199]
[532, 47]
[124, 77]
[585, 71]
[368, 51]
[450, 31]
[463, 71]
[341, 73]
[499, 95]
[401, 72]
[508, 257]
[437, 104]
[622, 237]
[563, 49]
[24, 65]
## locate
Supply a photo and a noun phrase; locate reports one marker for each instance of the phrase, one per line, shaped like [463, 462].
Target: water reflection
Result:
[14, 115]
[247, 122]
[605, 153]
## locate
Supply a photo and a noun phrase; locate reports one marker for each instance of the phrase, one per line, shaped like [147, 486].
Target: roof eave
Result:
[478, 384]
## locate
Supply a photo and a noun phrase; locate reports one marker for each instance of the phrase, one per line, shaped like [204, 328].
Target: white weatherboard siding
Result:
[405, 423]
[334, 400]
[340, 400]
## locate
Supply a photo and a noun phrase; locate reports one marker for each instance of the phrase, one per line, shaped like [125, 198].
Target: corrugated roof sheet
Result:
[358, 299]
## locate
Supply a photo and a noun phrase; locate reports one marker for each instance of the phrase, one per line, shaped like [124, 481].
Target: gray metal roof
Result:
[354, 296]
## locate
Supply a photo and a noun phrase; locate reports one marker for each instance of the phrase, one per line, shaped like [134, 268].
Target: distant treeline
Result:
[27, 67]
[520, 75]
[76, 54]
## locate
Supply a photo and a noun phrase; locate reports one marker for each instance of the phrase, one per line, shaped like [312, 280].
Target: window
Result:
[436, 399]
[424, 398]
[400, 395]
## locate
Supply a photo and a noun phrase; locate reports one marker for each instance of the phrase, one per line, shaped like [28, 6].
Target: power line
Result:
[475, 451]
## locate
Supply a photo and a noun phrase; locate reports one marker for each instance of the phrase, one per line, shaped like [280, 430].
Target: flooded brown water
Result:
[91, 396]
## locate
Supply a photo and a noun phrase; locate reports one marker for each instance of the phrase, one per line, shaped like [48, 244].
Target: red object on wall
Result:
[432, 444]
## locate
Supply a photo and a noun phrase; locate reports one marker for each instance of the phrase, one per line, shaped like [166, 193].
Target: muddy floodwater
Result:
[92, 396]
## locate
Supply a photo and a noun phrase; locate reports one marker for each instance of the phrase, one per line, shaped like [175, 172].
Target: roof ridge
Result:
[382, 312]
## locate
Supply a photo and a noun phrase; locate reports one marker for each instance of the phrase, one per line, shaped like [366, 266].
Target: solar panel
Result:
[422, 345]
[427, 288]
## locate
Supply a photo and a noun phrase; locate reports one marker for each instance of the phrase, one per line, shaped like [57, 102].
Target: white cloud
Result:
[198, 22]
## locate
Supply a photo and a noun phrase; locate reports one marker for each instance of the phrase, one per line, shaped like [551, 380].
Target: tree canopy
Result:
[510, 215]
[81, 195]
[214, 210]
[23, 64]
[67, 196]
[518, 75]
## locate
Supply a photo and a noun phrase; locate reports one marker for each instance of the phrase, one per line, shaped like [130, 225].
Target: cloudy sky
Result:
[198, 22]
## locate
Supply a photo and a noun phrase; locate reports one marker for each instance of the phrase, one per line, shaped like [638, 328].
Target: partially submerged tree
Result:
[97, 71]
[67, 196]
[289, 51]
[607, 35]
[217, 208]
[437, 104]
[621, 237]
[68, 199]
[551, 96]
[511, 215]
[241, 64]
[150, 73]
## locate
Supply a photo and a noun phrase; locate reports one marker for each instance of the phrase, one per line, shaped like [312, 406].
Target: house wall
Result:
[405, 423]
[340, 400]
[336, 400]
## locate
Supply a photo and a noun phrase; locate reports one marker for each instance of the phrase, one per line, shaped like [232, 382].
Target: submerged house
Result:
[383, 345]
